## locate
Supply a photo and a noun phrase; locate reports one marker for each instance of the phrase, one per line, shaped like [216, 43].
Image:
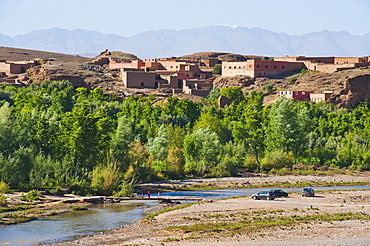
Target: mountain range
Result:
[165, 43]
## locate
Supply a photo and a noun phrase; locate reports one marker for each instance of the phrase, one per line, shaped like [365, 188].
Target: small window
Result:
[229, 67]
[258, 66]
[142, 84]
[275, 67]
[171, 67]
[266, 66]
[250, 66]
[282, 67]
[234, 67]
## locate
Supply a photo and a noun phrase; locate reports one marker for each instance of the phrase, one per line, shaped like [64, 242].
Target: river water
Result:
[102, 217]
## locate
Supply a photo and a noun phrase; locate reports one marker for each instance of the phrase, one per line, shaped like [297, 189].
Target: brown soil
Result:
[15, 54]
[222, 56]
[347, 232]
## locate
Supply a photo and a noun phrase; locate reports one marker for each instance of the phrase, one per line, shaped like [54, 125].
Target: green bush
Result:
[268, 87]
[57, 191]
[275, 160]
[4, 187]
[80, 188]
[292, 80]
[303, 71]
[217, 69]
[251, 164]
[127, 190]
[31, 196]
[3, 200]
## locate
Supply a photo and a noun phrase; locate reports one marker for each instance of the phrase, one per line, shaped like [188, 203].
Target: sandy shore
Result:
[343, 232]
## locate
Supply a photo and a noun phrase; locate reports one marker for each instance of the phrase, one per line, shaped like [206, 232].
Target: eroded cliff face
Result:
[73, 72]
[239, 80]
[355, 89]
[41, 73]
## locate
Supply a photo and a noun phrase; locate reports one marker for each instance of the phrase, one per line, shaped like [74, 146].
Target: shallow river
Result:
[102, 217]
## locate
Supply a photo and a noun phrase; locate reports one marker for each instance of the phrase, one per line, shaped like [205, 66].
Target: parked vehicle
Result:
[266, 195]
[279, 193]
[308, 192]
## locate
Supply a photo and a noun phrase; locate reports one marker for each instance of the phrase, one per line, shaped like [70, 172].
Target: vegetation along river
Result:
[102, 217]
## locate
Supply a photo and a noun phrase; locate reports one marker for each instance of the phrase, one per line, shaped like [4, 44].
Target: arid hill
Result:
[15, 54]
[221, 56]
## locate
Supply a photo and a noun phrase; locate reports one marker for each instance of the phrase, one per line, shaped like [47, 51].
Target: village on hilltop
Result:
[196, 76]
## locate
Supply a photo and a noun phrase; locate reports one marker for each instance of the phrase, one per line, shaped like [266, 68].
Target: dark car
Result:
[308, 192]
[266, 195]
[279, 193]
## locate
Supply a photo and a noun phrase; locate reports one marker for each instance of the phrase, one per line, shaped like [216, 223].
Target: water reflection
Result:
[68, 225]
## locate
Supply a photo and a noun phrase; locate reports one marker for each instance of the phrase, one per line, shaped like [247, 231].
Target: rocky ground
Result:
[193, 225]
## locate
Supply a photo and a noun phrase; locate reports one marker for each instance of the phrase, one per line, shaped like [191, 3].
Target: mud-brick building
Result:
[296, 95]
[15, 67]
[135, 64]
[318, 97]
[328, 64]
[133, 78]
[258, 68]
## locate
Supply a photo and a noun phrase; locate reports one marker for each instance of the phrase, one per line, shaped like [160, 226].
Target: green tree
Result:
[234, 93]
[217, 69]
[284, 132]
[201, 150]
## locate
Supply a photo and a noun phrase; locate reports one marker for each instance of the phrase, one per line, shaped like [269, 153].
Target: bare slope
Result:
[15, 54]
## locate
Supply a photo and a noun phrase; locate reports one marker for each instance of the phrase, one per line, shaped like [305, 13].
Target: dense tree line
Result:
[54, 135]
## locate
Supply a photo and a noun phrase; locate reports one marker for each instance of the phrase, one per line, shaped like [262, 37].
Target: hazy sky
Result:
[127, 18]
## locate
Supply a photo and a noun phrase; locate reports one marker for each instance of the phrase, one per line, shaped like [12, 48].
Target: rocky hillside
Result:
[14, 54]
[349, 86]
[222, 56]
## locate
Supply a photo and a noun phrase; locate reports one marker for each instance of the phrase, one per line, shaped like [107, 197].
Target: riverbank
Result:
[19, 211]
[329, 218]
[259, 181]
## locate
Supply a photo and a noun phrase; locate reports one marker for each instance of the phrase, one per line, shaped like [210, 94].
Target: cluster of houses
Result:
[195, 77]
[178, 75]
[260, 68]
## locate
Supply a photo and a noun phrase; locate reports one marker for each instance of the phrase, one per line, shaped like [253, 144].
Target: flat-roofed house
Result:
[15, 67]
[258, 68]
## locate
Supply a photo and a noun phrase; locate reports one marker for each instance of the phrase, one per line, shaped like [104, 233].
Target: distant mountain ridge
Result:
[165, 43]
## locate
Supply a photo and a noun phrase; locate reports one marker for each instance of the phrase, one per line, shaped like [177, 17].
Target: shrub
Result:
[268, 87]
[251, 164]
[57, 191]
[217, 69]
[80, 188]
[276, 160]
[31, 196]
[4, 187]
[303, 71]
[292, 80]
[127, 190]
[3, 200]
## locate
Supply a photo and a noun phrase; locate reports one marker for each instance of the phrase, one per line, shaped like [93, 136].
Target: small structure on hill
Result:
[296, 95]
[15, 67]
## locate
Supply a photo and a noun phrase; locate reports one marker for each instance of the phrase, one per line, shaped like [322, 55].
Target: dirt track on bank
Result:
[346, 232]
